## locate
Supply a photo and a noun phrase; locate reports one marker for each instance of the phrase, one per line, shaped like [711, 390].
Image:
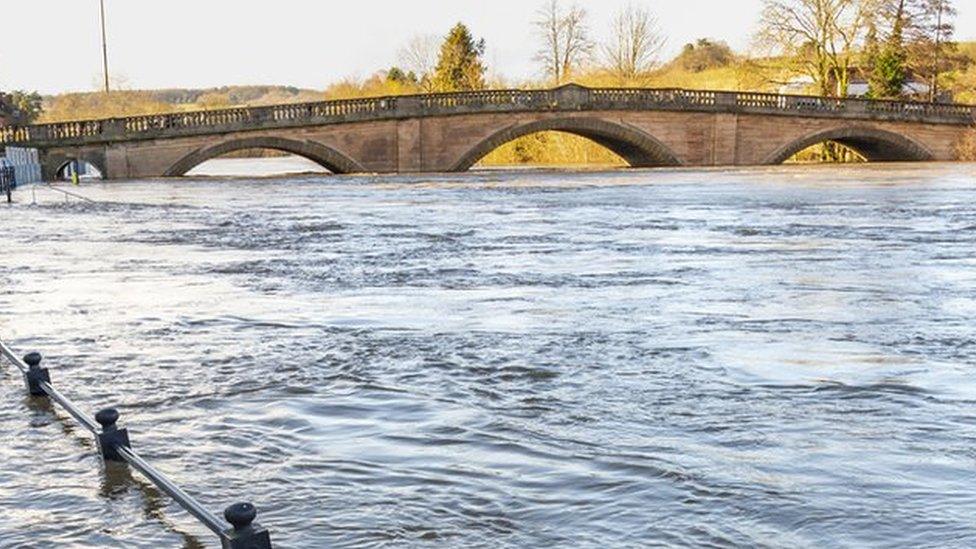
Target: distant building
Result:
[798, 85]
[857, 87]
[914, 90]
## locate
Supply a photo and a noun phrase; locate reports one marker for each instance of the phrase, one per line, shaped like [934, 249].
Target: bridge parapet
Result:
[537, 99]
[566, 99]
[676, 99]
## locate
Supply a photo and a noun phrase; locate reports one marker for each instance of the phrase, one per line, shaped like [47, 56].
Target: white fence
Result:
[26, 163]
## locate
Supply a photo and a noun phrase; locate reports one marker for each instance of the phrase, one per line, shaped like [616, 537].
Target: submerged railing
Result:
[566, 98]
[114, 446]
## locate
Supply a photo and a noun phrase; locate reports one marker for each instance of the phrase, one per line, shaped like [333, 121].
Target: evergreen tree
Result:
[889, 74]
[460, 66]
[888, 62]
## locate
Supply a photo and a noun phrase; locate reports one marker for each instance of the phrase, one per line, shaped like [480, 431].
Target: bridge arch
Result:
[875, 145]
[54, 164]
[84, 167]
[638, 148]
[324, 156]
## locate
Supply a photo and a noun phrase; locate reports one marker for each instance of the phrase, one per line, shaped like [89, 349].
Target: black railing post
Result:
[111, 437]
[35, 375]
[245, 534]
[113, 445]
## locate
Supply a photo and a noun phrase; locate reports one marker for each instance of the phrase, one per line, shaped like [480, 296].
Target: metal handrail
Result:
[84, 419]
[185, 500]
[71, 194]
[113, 444]
[14, 359]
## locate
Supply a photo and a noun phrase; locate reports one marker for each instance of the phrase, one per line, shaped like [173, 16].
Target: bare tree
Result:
[931, 37]
[635, 43]
[850, 23]
[822, 37]
[419, 56]
[566, 43]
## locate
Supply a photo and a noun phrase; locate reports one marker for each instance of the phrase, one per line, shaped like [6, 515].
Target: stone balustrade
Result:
[566, 98]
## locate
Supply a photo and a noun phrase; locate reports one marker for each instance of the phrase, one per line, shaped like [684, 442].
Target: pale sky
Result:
[54, 45]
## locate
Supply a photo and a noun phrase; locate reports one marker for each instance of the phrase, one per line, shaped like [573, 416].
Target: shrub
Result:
[20, 108]
[703, 55]
[966, 149]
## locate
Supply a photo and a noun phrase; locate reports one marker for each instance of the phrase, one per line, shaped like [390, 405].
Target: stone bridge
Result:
[452, 132]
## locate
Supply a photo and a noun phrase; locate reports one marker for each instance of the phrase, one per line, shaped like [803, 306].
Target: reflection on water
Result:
[256, 167]
[778, 357]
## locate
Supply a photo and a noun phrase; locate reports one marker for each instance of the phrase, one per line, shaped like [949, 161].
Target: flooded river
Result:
[775, 357]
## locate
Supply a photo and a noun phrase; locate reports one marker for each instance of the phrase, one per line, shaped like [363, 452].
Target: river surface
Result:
[775, 357]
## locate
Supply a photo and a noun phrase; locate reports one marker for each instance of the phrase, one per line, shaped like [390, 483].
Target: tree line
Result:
[565, 46]
[890, 44]
[19, 107]
[885, 42]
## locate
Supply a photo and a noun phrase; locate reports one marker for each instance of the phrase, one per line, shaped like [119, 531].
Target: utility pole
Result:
[104, 45]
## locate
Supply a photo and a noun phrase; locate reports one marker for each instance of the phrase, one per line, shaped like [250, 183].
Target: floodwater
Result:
[759, 357]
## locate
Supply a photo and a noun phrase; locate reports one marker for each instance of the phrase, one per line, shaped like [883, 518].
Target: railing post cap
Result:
[33, 360]
[107, 418]
[241, 515]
